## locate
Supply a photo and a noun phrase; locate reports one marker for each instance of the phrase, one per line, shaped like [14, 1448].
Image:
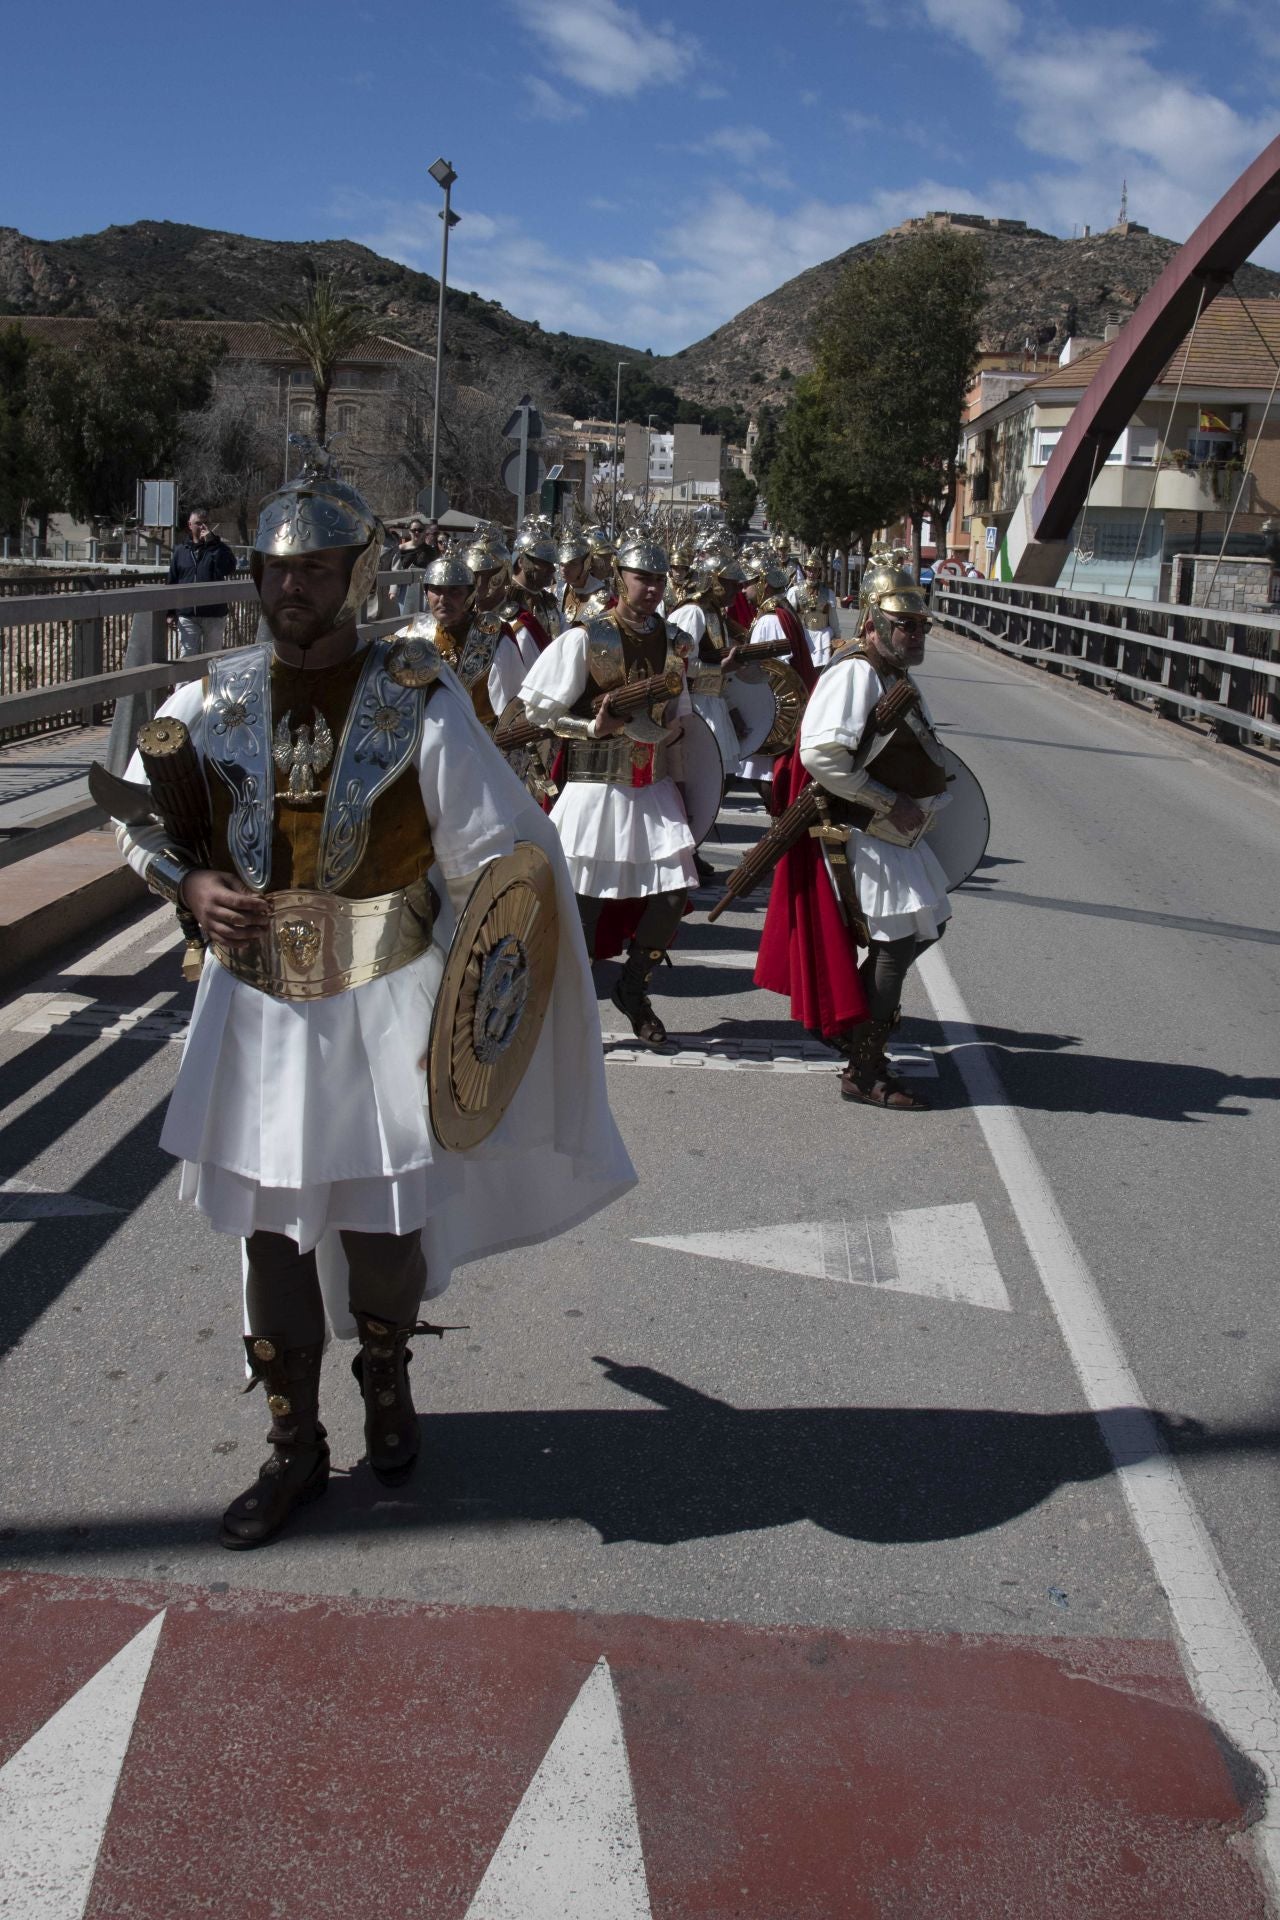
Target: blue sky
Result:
[623, 170]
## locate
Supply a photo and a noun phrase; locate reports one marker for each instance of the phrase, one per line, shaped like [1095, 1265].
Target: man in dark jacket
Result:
[204, 555]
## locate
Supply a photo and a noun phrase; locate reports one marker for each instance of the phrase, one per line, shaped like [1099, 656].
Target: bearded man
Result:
[352, 801]
[478, 646]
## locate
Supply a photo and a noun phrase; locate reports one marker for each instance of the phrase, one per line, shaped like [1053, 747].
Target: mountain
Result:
[1041, 288]
[177, 272]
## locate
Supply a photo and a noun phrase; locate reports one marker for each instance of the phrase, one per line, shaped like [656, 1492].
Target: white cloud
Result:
[858, 122]
[746, 145]
[548, 103]
[607, 48]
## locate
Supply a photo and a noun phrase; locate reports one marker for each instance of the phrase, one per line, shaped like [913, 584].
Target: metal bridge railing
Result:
[1179, 661]
[68, 641]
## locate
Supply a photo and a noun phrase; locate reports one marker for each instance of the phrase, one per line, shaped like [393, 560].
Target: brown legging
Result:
[885, 970]
[282, 1293]
[656, 927]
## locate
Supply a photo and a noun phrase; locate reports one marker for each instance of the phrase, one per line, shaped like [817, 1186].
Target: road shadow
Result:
[1096, 1083]
[692, 1467]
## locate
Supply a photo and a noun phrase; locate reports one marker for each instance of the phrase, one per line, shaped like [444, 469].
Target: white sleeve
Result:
[138, 845]
[834, 722]
[506, 674]
[691, 620]
[462, 776]
[559, 677]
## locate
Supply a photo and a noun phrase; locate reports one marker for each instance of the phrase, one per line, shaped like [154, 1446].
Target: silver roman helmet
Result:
[316, 511]
[572, 546]
[450, 570]
[640, 551]
[535, 541]
[760, 564]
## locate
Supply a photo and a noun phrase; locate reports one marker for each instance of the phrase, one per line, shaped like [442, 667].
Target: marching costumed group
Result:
[396, 857]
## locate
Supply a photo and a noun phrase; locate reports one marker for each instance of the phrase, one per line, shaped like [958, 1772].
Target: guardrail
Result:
[1179, 660]
[147, 671]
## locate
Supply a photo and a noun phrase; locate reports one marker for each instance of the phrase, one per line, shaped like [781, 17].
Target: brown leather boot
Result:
[381, 1367]
[630, 994]
[297, 1469]
[867, 1078]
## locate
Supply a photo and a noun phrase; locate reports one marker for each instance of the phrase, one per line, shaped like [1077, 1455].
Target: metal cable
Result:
[1164, 441]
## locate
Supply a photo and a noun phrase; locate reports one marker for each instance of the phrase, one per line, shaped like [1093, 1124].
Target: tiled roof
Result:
[1225, 352]
[246, 339]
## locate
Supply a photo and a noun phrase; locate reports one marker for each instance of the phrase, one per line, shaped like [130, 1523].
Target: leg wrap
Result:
[297, 1469]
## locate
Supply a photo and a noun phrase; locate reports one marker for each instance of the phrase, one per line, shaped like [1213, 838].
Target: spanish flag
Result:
[1210, 423]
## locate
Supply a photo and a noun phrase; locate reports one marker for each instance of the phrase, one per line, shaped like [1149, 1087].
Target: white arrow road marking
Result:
[21, 1201]
[688, 1050]
[942, 1253]
[56, 1792]
[572, 1850]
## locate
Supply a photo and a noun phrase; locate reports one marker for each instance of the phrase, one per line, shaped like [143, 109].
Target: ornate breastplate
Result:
[379, 741]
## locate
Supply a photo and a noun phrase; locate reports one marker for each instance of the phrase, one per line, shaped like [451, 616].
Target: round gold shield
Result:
[493, 997]
[789, 692]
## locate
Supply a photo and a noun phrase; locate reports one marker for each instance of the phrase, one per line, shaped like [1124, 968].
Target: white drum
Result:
[959, 832]
[698, 771]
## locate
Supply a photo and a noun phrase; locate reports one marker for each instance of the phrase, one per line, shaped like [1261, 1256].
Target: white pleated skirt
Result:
[624, 843]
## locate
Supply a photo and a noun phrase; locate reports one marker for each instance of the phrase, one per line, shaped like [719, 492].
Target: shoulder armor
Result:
[413, 659]
[606, 662]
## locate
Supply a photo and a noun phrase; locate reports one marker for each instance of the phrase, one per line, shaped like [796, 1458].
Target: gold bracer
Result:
[317, 944]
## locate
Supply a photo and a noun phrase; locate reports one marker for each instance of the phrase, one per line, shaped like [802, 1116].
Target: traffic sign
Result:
[534, 471]
[993, 539]
[526, 421]
[434, 505]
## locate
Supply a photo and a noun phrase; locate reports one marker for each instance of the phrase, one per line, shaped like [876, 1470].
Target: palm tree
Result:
[322, 329]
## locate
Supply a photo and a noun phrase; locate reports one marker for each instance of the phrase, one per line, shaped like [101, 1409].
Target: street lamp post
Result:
[444, 176]
[617, 413]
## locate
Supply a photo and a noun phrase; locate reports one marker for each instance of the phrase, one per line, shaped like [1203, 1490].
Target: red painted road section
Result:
[336, 1760]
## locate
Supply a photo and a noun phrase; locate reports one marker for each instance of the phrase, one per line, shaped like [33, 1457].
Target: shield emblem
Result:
[791, 695]
[493, 997]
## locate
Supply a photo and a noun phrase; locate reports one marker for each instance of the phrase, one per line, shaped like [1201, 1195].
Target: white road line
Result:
[942, 1253]
[1222, 1660]
[683, 1050]
[56, 1792]
[96, 961]
[23, 1200]
[572, 1850]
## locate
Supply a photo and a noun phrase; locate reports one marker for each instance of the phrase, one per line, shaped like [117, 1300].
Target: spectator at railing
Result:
[204, 555]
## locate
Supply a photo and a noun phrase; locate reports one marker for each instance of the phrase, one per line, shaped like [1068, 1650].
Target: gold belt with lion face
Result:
[316, 944]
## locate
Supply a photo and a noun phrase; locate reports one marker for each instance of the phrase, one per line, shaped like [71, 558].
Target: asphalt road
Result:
[692, 1432]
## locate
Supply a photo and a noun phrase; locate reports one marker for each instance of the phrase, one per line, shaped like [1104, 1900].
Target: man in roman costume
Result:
[578, 593]
[773, 618]
[352, 800]
[815, 603]
[620, 817]
[867, 740]
[477, 646]
[486, 553]
[530, 608]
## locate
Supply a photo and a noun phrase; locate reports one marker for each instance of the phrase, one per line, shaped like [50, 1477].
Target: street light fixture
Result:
[617, 410]
[444, 176]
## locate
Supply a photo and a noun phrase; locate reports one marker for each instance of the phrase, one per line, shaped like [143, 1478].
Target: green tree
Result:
[818, 487]
[108, 413]
[740, 496]
[769, 424]
[322, 328]
[896, 347]
[24, 492]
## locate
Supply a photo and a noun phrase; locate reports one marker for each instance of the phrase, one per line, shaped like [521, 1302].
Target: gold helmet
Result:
[486, 549]
[891, 592]
[640, 551]
[314, 512]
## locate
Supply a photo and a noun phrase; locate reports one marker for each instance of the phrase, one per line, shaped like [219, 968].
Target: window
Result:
[1047, 439]
[1143, 442]
[299, 377]
[347, 418]
[1211, 444]
[303, 419]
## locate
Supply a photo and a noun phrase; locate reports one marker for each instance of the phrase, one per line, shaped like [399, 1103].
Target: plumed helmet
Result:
[761, 564]
[450, 570]
[535, 541]
[640, 551]
[314, 512]
[486, 550]
[573, 546]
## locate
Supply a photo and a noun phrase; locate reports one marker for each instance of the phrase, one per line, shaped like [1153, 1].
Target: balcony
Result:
[1178, 489]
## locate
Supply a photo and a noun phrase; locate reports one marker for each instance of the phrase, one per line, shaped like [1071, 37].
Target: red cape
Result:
[806, 950]
[532, 625]
[801, 658]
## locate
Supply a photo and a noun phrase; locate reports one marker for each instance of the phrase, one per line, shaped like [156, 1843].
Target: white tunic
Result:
[902, 890]
[620, 843]
[820, 632]
[759, 766]
[303, 1117]
[713, 707]
[506, 674]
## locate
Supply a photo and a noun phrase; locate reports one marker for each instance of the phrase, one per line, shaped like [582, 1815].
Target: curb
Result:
[60, 894]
